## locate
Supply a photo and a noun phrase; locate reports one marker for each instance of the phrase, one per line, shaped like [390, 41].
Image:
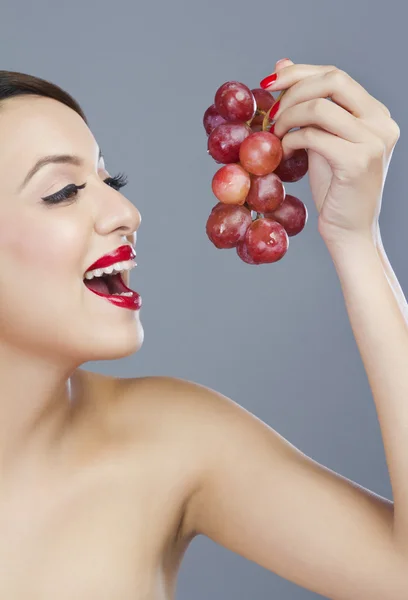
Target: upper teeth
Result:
[118, 267]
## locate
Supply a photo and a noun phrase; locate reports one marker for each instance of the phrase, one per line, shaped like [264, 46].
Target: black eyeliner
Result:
[117, 182]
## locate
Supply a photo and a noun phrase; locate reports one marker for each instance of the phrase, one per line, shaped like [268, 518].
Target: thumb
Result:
[282, 63]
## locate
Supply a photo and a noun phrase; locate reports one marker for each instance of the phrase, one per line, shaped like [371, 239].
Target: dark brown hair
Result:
[13, 83]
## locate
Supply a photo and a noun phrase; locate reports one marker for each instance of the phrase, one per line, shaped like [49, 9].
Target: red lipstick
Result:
[133, 301]
[122, 253]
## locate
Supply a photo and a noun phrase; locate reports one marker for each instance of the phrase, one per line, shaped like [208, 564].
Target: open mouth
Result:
[113, 287]
[107, 285]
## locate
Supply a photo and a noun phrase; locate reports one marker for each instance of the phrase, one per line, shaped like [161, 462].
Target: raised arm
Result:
[377, 312]
[259, 496]
[253, 491]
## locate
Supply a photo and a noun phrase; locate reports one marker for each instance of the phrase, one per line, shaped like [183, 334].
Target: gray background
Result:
[275, 338]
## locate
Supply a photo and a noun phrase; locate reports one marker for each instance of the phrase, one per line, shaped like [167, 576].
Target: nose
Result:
[117, 213]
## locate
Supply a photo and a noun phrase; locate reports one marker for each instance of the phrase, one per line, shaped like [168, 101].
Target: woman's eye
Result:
[71, 190]
[64, 194]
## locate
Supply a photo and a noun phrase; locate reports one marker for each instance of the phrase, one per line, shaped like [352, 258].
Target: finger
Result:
[361, 103]
[292, 73]
[338, 86]
[384, 108]
[325, 144]
[324, 114]
[283, 62]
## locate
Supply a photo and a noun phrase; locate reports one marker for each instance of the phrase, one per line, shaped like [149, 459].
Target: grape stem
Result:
[258, 113]
[266, 124]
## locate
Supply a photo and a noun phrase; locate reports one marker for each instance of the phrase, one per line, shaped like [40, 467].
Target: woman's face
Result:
[45, 308]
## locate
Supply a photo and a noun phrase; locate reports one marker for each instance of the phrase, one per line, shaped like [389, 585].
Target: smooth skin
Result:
[105, 481]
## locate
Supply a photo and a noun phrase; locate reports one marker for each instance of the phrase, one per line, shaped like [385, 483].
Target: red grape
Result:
[266, 193]
[294, 168]
[227, 225]
[242, 251]
[260, 153]
[225, 140]
[250, 180]
[235, 101]
[266, 241]
[231, 184]
[264, 100]
[212, 119]
[292, 214]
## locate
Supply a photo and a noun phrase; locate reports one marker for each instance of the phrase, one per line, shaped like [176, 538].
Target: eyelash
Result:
[117, 182]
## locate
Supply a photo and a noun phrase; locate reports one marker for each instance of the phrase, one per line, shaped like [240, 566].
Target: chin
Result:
[112, 343]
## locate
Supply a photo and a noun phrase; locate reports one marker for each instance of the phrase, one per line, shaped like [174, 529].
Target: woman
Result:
[105, 481]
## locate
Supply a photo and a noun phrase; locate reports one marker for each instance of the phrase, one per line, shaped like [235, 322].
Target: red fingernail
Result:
[272, 129]
[268, 80]
[274, 110]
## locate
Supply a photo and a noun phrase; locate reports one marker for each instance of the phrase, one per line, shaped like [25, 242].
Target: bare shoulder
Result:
[198, 423]
[181, 408]
[243, 485]
[165, 417]
[187, 420]
[152, 422]
[177, 401]
[253, 492]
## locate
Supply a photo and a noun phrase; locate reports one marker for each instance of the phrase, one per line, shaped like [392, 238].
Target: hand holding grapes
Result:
[349, 141]
[349, 144]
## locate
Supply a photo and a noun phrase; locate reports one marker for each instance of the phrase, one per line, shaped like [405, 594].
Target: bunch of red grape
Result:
[254, 214]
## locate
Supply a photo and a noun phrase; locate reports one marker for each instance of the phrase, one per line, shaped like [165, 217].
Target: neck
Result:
[37, 398]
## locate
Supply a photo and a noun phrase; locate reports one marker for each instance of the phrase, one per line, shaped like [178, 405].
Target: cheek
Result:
[50, 245]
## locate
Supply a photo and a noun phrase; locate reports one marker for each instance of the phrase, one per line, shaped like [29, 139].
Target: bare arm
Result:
[259, 496]
[378, 315]
[393, 281]
[253, 492]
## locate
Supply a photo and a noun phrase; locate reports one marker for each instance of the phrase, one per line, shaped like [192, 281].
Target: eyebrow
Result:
[54, 159]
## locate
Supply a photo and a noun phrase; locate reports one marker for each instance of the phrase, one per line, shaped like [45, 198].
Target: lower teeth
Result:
[122, 294]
